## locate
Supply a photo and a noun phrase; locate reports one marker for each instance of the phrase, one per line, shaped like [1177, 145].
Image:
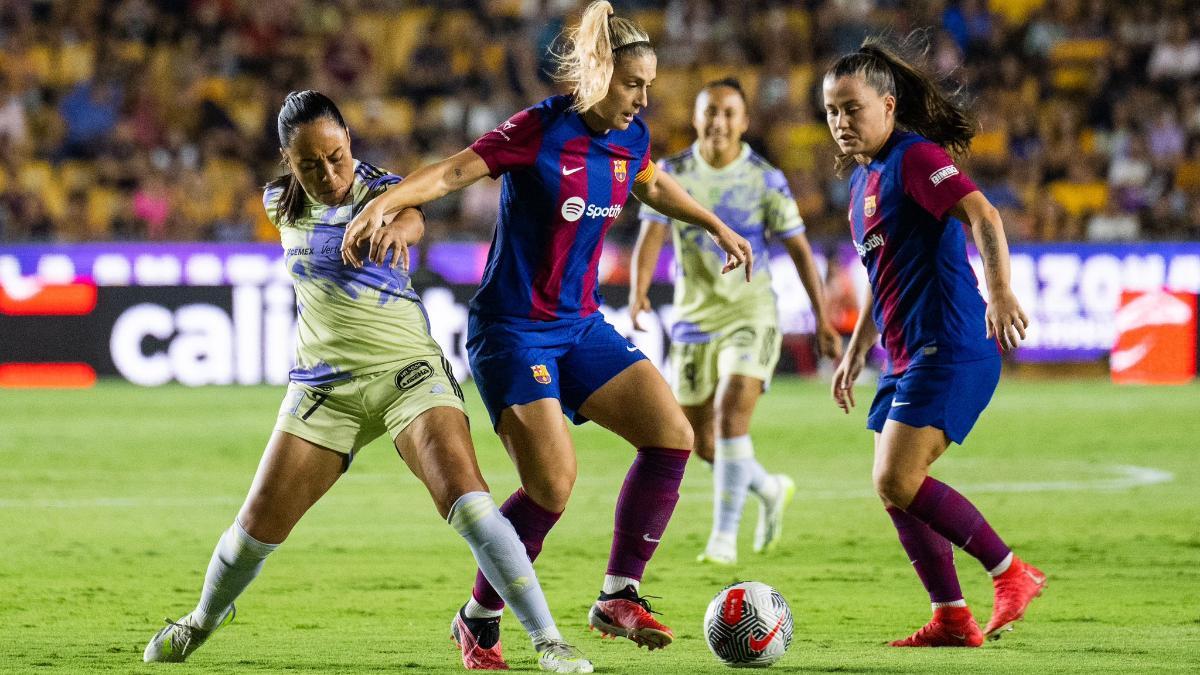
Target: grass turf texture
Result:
[113, 498]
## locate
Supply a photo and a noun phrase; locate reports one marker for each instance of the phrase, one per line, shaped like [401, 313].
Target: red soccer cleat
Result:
[474, 655]
[949, 627]
[1015, 589]
[626, 615]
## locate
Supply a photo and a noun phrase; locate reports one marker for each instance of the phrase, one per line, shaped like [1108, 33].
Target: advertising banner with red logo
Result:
[1155, 338]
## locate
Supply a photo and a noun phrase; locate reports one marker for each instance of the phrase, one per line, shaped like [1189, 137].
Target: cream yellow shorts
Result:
[749, 350]
[347, 415]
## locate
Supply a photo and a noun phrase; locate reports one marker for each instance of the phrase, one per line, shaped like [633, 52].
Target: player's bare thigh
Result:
[536, 437]
[638, 406]
[903, 455]
[735, 399]
[437, 448]
[292, 475]
[703, 421]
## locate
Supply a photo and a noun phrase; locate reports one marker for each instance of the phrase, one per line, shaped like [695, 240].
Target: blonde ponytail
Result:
[586, 63]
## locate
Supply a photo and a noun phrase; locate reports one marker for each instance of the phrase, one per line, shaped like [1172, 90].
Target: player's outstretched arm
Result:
[864, 337]
[645, 258]
[423, 185]
[829, 343]
[663, 194]
[1005, 318]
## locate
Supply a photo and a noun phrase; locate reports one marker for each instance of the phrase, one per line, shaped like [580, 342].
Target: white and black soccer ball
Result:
[748, 625]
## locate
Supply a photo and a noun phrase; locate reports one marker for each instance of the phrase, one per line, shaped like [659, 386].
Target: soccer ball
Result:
[748, 625]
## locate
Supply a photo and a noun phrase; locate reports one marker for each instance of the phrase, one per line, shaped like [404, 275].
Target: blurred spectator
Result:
[1177, 57]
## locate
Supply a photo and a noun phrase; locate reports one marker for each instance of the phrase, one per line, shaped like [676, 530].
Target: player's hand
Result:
[843, 380]
[737, 250]
[392, 238]
[1005, 319]
[358, 231]
[638, 303]
[829, 341]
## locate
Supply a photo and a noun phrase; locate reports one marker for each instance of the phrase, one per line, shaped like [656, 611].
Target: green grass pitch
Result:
[111, 500]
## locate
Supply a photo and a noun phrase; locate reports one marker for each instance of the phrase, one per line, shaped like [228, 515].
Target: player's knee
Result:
[894, 487]
[551, 492]
[678, 433]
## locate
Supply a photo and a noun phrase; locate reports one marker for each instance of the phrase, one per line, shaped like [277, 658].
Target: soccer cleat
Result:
[949, 627]
[770, 515]
[560, 657]
[479, 640]
[724, 558]
[626, 615]
[1015, 589]
[178, 639]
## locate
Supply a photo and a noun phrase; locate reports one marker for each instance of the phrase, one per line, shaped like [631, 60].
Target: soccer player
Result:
[725, 345]
[538, 345]
[895, 126]
[365, 364]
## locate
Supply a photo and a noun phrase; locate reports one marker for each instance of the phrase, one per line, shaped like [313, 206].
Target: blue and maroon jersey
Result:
[927, 303]
[563, 186]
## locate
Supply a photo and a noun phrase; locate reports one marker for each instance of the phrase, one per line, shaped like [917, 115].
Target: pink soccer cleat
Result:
[479, 640]
[949, 627]
[1015, 589]
[627, 615]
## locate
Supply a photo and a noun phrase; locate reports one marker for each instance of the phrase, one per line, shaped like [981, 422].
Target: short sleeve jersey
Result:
[927, 303]
[754, 199]
[563, 186]
[349, 321]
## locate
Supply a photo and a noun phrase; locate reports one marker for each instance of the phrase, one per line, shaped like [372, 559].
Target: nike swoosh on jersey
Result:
[568, 172]
[759, 645]
[631, 349]
[897, 404]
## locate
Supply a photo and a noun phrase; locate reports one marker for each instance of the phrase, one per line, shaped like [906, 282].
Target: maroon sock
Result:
[931, 555]
[644, 508]
[954, 517]
[532, 523]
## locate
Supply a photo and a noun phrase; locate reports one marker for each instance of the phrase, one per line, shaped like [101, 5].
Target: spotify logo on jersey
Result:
[572, 209]
[575, 208]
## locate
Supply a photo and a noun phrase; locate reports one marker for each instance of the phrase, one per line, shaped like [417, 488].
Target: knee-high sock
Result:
[733, 469]
[532, 523]
[954, 517]
[931, 555]
[235, 562]
[644, 508]
[503, 560]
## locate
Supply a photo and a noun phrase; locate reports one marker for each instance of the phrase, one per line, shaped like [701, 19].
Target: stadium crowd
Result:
[154, 120]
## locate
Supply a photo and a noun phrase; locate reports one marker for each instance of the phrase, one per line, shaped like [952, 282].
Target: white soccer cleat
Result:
[717, 556]
[179, 639]
[560, 657]
[769, 530]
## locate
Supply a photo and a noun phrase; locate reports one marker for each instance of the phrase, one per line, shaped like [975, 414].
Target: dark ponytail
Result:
[921, 105]
[300, 107]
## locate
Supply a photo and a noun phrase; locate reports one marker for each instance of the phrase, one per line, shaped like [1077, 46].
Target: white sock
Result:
[733, 470]
[474, 610]
[614, 584]
[235, 562]
[1003, 566]
[501, 556]
[956, 603]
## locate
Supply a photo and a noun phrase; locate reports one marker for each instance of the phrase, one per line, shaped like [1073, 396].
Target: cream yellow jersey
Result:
[754, 199]
[349, 321]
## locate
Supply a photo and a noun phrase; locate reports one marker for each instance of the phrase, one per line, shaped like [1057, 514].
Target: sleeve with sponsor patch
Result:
[512, 145]
[931, 178]
[779, 206]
